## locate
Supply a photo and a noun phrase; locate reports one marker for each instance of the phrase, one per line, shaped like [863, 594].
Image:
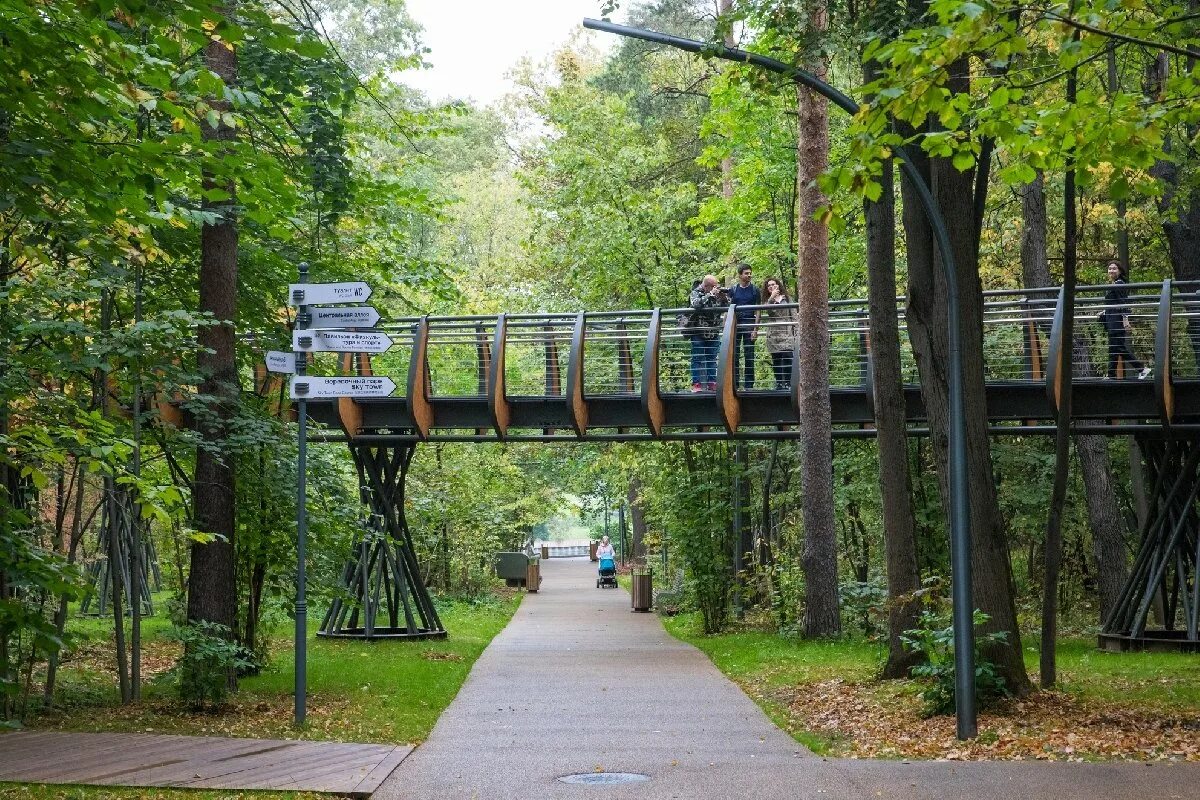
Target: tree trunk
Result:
[927, 325]
[637, 519]
[899, 535]
[822, 617]
[1095, 464]
[212, 595]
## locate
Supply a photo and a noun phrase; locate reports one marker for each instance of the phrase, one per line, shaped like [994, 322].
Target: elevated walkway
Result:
[627, 375]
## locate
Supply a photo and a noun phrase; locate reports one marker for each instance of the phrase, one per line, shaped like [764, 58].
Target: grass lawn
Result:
[1143, 706]
[385, 692]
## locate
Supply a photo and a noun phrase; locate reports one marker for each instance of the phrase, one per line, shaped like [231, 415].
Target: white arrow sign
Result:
[281, 362]
[317, 294]
[307, 341]
[349, 317]
[306, 388]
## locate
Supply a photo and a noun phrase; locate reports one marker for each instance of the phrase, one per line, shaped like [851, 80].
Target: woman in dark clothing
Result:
[1117, 324]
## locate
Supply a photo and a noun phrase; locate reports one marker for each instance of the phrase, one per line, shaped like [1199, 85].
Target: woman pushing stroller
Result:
[605, 554]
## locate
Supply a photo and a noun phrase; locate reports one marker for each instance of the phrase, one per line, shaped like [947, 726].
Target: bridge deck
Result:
[629, 374]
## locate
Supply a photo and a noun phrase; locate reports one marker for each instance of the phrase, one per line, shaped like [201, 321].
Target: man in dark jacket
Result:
[744, 294]
[706, 302]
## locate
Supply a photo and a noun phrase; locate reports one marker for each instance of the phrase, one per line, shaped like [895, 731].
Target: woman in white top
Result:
[604, 549]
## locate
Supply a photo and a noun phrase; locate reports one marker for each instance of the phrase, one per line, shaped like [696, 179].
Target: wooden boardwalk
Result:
[196, 762]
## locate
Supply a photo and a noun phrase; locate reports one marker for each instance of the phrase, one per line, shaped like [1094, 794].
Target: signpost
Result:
[312, 335]
[318, 294]
[313, 388]
[280, 362]
[348, 317]
[310, 341]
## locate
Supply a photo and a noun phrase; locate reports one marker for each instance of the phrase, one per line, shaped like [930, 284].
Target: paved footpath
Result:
[578, 684]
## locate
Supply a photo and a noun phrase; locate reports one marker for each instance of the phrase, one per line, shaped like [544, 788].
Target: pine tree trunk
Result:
[899, 535]
[927, 325]
[821, 616]
[212, 593]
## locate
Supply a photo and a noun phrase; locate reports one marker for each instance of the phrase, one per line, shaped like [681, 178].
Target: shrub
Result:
[866, 603]
[935, 638]
[204, 672]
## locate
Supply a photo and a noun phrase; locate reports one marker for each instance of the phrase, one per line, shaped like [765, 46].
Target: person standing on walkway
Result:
[744, 293]
[780, 328]
[605, 549]
[706, 302]
[1118, 324]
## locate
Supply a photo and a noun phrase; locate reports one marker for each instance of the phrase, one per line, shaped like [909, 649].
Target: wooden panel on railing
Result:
[419, 407]
[652, 404]
[1055, 360]
[728, 403]
[497, 398]
[349, 412]
[1035, 368]
[1164, 388]
[575, 401]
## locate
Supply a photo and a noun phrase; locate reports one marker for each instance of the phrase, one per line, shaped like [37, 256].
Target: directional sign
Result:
[308, 341]
[281, 362]
[348, 317]
[317, 294]
[306, 388]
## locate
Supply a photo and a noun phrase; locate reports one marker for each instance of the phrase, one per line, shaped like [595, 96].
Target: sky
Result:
[474, 43]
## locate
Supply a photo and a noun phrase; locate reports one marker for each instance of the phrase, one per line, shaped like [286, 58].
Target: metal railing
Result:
[1145, 330]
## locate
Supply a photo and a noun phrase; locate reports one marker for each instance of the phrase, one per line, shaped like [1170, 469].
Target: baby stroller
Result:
[608, 573]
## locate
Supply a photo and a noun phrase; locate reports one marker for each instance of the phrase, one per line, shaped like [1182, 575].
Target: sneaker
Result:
[712, 386]
[697, 388]
[1145, 373]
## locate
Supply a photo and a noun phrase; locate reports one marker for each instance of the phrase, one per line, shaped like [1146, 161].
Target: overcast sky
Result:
[474, 43]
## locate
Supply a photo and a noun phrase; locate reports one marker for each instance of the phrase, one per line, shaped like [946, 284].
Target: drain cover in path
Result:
[604, 778]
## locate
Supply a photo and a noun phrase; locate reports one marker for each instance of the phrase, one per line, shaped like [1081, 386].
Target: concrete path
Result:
[578, 684]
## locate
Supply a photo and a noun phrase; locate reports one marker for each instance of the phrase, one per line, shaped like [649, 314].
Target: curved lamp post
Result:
[960, 513]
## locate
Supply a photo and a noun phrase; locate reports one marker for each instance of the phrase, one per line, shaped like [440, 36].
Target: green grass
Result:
[1166, 683]
[39, 791]
[760, 662]
[388, 692]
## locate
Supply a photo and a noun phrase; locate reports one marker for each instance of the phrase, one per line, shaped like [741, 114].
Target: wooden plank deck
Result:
[196, 762]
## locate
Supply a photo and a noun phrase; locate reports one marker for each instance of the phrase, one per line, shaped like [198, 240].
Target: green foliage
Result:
[866, 602]
[935, 638]
[203, 674]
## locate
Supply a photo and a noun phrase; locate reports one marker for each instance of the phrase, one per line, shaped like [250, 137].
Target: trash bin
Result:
[642, 590]
[533, 576]
[545, 551]
[592, 551]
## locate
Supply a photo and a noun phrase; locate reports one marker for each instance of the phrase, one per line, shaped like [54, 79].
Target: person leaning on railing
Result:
[780, 324]
[1118, 323]
[704, 330]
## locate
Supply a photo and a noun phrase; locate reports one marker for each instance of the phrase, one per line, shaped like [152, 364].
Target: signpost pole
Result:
[301, 523]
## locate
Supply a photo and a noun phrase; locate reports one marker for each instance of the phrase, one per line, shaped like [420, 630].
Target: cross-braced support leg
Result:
[382, 594]
[1164, 578]
[117, 520]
